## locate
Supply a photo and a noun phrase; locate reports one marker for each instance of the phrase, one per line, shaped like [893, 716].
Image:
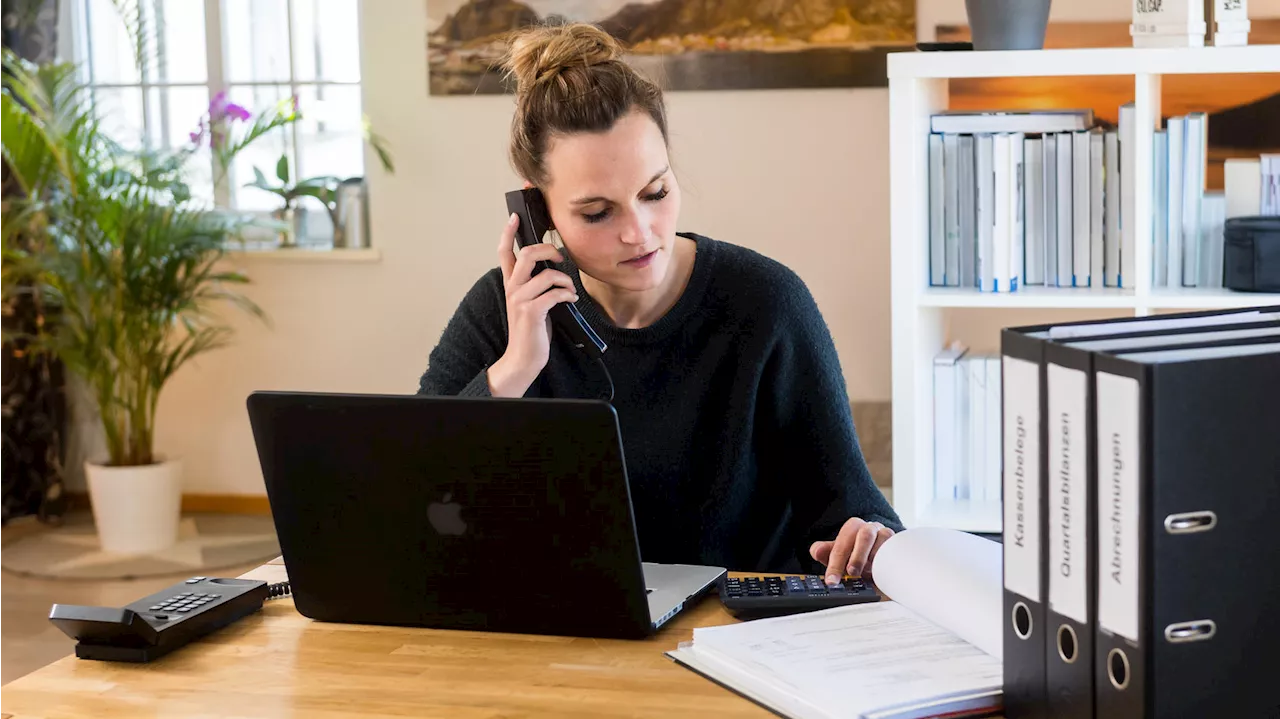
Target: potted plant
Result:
[323, 188]
[113, 239]
[289, 193]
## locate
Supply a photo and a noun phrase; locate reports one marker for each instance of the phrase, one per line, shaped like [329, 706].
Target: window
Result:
[257, 51]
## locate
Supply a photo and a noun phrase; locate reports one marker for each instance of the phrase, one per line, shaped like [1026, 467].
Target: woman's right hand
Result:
[529, 299]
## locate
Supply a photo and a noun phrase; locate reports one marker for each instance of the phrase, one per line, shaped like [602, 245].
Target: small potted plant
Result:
[323, 188]
[289, 214]
[112, 238]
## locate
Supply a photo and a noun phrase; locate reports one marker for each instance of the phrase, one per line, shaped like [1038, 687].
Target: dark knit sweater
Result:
[735, 420]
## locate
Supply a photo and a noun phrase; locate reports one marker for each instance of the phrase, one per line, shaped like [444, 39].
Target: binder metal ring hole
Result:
[1022, 620]
[1067, 643]
[1188, 522]
[1193, 631]
[1118, 669]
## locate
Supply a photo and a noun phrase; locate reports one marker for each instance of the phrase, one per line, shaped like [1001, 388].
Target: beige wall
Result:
[798, 175]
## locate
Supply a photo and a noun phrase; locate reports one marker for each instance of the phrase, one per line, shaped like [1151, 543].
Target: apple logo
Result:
[445, 516]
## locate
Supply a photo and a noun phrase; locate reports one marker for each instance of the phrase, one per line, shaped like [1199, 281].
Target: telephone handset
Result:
[535, 221]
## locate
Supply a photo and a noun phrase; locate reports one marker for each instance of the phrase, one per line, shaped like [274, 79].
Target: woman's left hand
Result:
[852, 551]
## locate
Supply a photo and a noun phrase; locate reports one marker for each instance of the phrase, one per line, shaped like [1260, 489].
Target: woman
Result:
[734, 416]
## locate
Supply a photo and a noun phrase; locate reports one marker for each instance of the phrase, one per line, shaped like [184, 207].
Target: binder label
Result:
[1021, 395]
[1067, 488]
[1118, 505]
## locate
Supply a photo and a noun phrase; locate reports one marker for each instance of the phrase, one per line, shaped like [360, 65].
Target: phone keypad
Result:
[185, 602]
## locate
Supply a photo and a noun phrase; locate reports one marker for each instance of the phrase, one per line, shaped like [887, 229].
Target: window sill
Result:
[310, 253]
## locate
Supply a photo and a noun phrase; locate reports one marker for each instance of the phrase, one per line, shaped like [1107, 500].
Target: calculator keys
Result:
[757, 597]
[733, 587]
[789, 586]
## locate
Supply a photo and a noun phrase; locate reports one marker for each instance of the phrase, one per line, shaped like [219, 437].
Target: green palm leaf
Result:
[111, 238]
[143, 33]
[28, 151]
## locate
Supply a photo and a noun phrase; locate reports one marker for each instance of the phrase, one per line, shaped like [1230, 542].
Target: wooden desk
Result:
[278, 663]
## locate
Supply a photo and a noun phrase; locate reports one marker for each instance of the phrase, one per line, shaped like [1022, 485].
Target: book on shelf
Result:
[1066, 210]
[1194, 153]
[1172, 202]
[1159, 207]
[1189, 221]
[1242, 183]
[968, 222]
[966, 425]
[932, 647]
[1269, 184]
[1128, 194]
[1033, 236]
[1213, 221]
[964, 122]
[1026, 204]
[1111, 210]
[1049, 200]
[1053, 209]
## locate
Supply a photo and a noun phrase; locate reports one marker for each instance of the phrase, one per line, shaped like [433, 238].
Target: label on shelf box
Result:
[1117, 486]
[1149, 15]
[1021, 429]
[1068, 493]
[1227, 13]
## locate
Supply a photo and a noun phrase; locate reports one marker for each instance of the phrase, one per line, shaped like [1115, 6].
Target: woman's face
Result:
[615, 201]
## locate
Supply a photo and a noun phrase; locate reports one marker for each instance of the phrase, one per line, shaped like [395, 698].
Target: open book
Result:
[933, 650]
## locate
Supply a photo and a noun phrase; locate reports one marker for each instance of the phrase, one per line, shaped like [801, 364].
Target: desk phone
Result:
[758, 597]
[157, 624]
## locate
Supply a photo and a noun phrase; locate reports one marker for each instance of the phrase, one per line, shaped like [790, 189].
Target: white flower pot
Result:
[136, 509]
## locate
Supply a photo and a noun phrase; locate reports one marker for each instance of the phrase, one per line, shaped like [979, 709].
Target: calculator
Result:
[759, 597]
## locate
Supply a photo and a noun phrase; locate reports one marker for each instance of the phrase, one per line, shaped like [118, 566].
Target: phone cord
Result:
[607, 376]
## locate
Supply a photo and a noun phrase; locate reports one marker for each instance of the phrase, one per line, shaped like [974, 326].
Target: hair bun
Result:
[538, 54]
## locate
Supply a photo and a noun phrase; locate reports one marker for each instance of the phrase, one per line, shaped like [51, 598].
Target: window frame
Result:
[78, 31]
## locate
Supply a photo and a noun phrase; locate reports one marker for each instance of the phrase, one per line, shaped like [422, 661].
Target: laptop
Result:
[503, 515]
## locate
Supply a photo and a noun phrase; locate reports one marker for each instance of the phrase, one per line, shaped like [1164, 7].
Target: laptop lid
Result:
[458, 513]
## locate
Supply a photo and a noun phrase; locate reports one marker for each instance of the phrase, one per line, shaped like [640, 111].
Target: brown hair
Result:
[569, 79]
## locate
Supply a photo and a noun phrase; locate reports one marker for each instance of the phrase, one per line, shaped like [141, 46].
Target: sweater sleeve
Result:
[474, 338]
[808, 413]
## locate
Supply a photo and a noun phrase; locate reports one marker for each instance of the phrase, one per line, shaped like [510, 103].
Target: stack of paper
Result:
[934, 649]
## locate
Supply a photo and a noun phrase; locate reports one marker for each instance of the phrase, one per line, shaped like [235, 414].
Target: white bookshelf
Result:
[918, 87]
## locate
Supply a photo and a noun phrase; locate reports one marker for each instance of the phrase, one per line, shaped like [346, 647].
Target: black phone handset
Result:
[535, 221]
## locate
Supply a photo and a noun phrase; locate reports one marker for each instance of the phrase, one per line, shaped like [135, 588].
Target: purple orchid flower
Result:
[221, 113]
[220, 109]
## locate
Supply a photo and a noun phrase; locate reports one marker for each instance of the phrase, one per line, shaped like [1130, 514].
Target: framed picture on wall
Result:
[686, 44]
